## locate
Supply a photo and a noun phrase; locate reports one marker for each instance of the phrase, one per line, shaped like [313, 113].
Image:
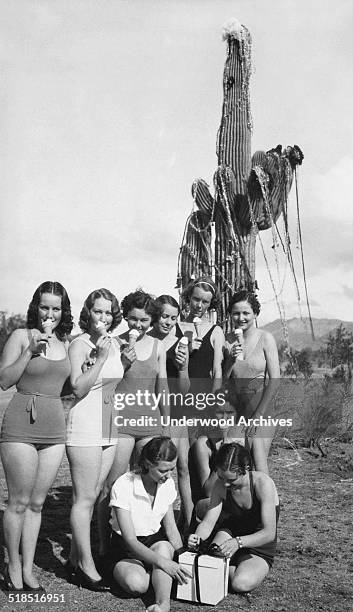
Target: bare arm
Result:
[217, 340]
[171, 529]
[273, 372]
[206, 527]
[17, 353]
[162, 383]
[82, 382]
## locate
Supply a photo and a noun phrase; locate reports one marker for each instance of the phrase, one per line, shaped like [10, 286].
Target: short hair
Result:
[158, 449]
[245, 296]
[233, 457]
[141, 300]
[161, 301]
[207, 284]
[85, 314]
[66, 322]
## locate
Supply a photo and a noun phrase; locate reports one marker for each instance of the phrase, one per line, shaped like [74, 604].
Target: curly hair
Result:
[161, 301]
[158, 449]
[141, 300]
[207, 284]
[245, 296]
[85, 314]
[66, 322]
[233, 457]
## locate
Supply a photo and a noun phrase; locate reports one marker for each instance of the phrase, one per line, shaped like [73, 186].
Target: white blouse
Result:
[129, 493]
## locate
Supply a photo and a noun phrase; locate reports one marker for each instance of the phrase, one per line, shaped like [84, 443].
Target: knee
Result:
[136, 583]
[84, 499]
[36, 505]
[164, 548]
[18, 505]
[243, 583]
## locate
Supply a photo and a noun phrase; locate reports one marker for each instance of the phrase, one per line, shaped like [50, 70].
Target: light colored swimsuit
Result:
[91, 419]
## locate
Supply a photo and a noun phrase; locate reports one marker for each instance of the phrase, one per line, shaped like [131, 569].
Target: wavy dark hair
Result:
[245, 296]
[161, 301]
[141, 300]
[233, 457]
[66, 322]
[207, 284]
[158, 449]
[85, 314]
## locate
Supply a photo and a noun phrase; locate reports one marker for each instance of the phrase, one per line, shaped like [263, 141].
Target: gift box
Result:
[209, 582]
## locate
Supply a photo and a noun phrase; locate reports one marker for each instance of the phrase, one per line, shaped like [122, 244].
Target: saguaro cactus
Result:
[250, 194]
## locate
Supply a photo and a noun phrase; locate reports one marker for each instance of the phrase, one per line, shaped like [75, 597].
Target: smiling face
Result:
[49, 307]
[138, 318]
[161, 471]
[167, 319]
[200, 301]
[101, 311]
[242, 316]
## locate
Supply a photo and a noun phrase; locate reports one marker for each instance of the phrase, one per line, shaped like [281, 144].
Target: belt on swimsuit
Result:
[31, 404]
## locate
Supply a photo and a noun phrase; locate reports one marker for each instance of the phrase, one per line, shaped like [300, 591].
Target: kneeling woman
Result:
[140, 502]
[243, 513]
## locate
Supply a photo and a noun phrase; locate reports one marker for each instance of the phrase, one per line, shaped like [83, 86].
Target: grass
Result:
[313, 569]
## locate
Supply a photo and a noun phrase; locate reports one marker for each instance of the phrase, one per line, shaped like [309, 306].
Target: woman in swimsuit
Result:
[243, 515]
[206, 338]
[249, 364]
[166, 329]
[137, 417]
[33, 433]
[91, 437]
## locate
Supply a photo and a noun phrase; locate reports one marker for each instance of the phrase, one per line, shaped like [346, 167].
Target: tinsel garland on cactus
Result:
[249, 194]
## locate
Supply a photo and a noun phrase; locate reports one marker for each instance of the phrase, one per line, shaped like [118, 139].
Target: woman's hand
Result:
[38, 343]
[128, 356]
[235, 350]
[229, 547]
[175, 571]
[103, 347]
[193, 541]
[181, 357]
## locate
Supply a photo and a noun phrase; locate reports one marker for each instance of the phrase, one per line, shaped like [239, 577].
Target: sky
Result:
[109, 110]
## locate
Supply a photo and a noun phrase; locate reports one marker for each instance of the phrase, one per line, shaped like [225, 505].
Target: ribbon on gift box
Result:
[212, 550]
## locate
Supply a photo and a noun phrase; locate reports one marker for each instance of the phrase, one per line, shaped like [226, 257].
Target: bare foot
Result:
[159, 607]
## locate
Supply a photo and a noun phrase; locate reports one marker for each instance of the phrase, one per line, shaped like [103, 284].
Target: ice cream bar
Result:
[48, 327]
[133, 335]
[197, 323]
[239, 337]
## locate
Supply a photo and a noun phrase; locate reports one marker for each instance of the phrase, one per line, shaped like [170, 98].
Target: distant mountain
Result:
[300, 334]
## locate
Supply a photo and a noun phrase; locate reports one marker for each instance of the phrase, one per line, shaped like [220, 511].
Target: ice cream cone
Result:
[133, 335]
[48, 327]
[197, 323]
[100, 328]
[239, 338]
[183, 343]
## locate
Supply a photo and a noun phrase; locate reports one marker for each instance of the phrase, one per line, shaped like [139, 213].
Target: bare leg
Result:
[49, 460]
[248, 575]
[162, 582]
[182, 444]
[131, 575]
[20, 466]
[85, 465]
[120, 465]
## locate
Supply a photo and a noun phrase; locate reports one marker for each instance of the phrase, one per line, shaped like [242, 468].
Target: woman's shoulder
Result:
[263, 483]
[81, 344]
[126, 480]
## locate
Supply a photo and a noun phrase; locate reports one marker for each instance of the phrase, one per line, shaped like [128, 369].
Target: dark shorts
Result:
[119, 550]
[266, 552]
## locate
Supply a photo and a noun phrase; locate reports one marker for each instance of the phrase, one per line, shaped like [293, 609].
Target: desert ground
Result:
[312, 571]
